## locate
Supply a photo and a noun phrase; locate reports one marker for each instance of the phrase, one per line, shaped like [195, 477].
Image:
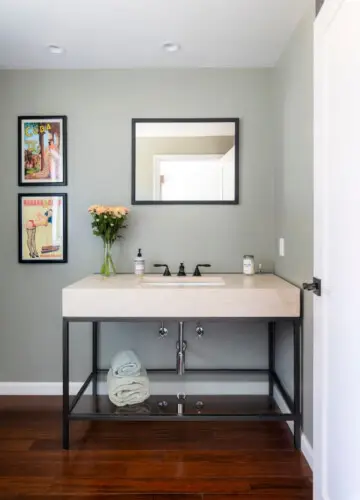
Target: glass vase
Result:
[108, 266]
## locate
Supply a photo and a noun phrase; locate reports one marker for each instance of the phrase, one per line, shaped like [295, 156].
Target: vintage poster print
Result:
[42, 228]
[42, 151]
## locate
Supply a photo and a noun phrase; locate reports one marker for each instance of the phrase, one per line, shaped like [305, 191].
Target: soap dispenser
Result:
[139, 262]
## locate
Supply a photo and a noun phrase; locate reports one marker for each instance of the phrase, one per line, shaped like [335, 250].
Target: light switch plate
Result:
[282, 247]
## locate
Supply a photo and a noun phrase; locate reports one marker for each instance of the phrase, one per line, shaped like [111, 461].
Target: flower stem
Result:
[108, 265]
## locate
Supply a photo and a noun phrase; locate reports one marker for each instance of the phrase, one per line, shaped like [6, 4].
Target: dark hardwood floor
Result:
[146, 460]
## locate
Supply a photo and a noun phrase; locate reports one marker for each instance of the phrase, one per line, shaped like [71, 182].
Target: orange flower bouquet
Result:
[107, 222]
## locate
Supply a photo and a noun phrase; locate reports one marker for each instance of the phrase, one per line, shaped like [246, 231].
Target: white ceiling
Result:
[130, 33]
[183, 129]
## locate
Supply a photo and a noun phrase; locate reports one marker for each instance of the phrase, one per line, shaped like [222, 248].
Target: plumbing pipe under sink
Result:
[181, 348]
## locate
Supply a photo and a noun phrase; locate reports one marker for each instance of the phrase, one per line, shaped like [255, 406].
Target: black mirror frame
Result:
[134, 121]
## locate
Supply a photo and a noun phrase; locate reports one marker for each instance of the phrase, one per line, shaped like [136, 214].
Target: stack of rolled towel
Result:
[128, 383]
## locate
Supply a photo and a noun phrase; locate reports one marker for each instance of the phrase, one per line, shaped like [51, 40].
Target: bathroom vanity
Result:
[211, 297]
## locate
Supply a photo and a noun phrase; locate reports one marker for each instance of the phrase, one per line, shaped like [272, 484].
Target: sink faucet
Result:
[197, 270]
[181, 271]
[167, 270]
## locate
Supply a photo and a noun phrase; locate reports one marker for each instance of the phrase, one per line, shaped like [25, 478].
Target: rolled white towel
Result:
[128, 390]
[125, 363]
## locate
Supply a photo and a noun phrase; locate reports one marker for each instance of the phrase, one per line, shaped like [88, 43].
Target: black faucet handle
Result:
[181, 271]
[197, 270]
[167, 270]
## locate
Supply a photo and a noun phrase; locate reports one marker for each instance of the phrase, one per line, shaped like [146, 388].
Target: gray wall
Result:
[99, 106]
[293, 81]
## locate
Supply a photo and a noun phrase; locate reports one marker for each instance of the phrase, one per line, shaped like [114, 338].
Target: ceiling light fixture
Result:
[171, 47]
[55, 49]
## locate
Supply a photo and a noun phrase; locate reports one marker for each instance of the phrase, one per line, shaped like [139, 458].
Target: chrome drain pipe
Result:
[181, 348]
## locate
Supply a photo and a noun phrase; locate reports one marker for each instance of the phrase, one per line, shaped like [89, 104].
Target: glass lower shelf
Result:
[170, 405]
[190, 395]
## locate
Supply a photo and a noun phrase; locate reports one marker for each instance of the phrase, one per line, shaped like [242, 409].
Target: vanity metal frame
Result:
[293, 404]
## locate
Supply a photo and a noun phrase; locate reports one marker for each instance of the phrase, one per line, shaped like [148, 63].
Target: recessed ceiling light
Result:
[55, 49]
[171, 47]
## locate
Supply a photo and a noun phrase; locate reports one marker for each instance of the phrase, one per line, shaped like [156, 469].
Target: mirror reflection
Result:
[185, 161]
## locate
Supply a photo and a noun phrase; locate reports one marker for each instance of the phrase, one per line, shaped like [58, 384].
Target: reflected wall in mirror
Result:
[185, 161]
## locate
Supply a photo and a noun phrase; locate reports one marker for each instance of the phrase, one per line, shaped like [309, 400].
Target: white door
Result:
[337, 252]
[187, 178]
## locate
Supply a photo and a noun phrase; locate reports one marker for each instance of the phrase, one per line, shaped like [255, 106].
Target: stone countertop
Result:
[126, 296]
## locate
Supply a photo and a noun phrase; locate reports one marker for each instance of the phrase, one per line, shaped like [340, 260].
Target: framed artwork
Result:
[42, 228]
[42, 150]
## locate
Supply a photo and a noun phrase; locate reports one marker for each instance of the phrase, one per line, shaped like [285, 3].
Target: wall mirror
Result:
[185, 161]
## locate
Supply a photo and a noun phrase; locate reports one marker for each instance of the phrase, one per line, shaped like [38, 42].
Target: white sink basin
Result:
[182, 281]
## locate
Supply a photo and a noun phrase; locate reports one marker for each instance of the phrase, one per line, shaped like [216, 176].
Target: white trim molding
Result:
[306, 447]
[38, 388]
[158, 387]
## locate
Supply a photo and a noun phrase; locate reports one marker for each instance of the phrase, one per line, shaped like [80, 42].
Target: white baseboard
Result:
[307, 450]
[38, 388]
[306, 447]
[223, 386]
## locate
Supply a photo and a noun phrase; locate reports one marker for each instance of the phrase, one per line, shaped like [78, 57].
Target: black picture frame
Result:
[135, 121]
[62, 119]
[39, 259]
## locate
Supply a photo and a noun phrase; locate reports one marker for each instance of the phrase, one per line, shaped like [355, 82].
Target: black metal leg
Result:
[297, 384]
[65, 415]
[94, 358]
[95, 365]
[271, 338]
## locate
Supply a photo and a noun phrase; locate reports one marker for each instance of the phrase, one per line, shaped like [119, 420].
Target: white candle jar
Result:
[248, 265]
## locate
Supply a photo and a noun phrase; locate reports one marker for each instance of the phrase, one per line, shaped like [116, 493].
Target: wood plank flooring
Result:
[145, 460]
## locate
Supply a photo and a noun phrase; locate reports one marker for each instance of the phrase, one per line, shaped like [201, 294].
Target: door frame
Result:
[319, 4]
